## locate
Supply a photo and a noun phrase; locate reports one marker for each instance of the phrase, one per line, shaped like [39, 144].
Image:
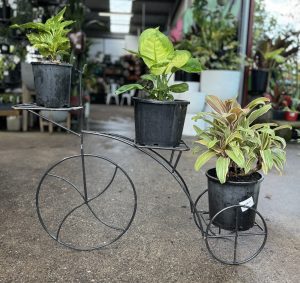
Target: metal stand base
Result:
[114, 219]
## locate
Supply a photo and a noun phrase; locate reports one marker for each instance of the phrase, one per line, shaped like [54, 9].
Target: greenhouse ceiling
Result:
[129, 16]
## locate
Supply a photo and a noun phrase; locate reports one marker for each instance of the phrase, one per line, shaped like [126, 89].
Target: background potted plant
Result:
[159, 119]
[270, 55]
[242, 148]
[214, 40]
[52, 77]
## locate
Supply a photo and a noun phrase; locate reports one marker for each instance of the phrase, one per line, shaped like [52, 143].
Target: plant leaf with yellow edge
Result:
[222, 166]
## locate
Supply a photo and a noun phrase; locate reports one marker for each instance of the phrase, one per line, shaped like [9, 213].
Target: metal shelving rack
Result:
[223, 245]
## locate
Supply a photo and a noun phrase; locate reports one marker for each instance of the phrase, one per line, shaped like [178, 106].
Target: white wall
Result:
[113, 47]
[131, 42]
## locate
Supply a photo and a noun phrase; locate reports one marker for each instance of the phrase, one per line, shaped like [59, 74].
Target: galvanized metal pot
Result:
[52, 84]
[159, 123]
[231, 193]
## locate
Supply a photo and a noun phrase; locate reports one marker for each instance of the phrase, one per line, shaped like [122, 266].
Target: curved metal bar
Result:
[235, 235]
[82, 196]
[64, 179]
[175, 171]
[105, 189]
[199, 217]
[151, 153]
[95, 215]
[123, 231]
[131, 143]
[65, 218]
[57, 124]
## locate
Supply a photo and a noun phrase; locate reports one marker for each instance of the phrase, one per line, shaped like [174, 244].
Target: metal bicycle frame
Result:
[170, 165]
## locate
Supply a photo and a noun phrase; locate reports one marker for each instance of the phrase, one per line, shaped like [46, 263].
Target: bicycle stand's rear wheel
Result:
[236, 247]
[91, 220]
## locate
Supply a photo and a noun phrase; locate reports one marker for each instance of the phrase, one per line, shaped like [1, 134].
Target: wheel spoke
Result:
[65, 218]
[105, 189]
[64, 179]
[95, 215]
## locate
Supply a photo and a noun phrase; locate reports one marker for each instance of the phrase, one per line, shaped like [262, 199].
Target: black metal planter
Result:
[159, 123]
[52, 84]
[232, 193]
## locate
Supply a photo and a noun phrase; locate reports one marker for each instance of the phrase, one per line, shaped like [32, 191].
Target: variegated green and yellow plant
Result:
[50, 38]
[159, 55]
[240, 146]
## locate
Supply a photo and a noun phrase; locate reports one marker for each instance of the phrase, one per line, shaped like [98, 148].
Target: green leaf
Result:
[233, 136]
[159, 68]
[128, 87]
[259, 112]
[257, 101]
[236, 158]
[179, 59]
[281, 140]
[149, 77]
[36, 26]
[222, 166]
[178, 88]
[282, 127]
[216, 103]
[192, 66]
[272, 55]
[267, 159]
[154, 47]
[249, 164]
[50, 38]
[203, 158]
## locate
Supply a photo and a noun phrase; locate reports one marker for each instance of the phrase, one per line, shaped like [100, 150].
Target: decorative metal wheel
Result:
[235, 246]
[86, 202]
[201, 214]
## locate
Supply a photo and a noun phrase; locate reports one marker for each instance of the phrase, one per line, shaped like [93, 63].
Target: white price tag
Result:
[248, 202]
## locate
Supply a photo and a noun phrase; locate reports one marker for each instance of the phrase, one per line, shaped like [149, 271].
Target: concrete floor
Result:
[162, 244]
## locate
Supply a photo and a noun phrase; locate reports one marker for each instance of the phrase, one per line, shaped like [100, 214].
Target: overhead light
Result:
[108, 14]
[121, 6]
[120, 13]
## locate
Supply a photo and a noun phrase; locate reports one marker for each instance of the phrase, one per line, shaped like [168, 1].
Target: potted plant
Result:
[270, 55]
[214, 40]
[242, 148]
[52, 77]
[159, 119]
[263, 68]
[291, 114]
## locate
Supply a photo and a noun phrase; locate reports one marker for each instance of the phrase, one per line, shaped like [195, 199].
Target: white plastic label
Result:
[248, 202]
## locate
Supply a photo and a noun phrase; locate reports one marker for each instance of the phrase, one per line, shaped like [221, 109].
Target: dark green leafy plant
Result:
[213, 38]
[240, 146]
[158, 53]
[50, 38]
[274, 55]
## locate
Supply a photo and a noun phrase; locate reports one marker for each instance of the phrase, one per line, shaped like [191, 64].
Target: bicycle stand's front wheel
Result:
[86, 211]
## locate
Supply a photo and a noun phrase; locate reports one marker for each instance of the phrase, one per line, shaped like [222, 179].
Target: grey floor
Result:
[162, 244]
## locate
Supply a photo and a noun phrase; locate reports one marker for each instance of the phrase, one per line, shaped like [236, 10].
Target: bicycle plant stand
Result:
[229, 247]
